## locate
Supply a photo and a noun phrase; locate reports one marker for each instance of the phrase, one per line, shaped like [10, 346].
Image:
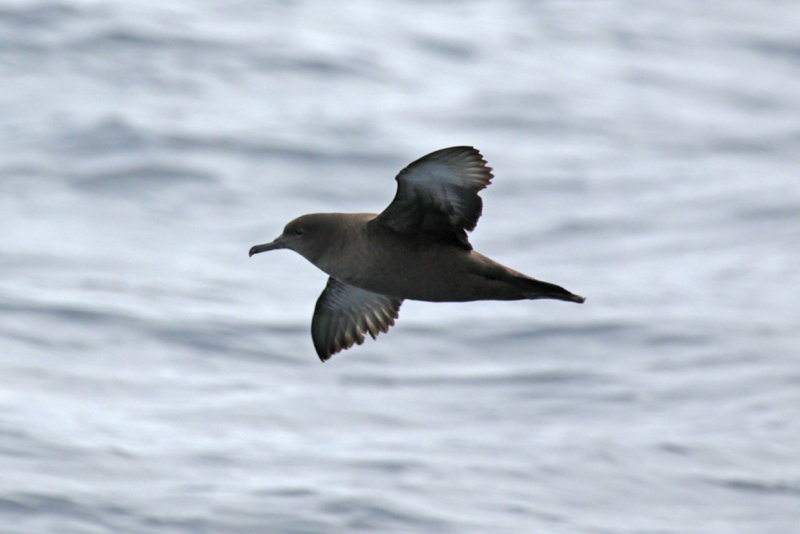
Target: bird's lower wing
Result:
[345, 313]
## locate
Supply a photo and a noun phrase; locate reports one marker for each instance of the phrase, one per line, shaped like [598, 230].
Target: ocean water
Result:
[156, 379]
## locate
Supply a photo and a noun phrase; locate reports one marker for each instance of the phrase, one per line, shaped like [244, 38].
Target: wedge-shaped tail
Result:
[536, 289]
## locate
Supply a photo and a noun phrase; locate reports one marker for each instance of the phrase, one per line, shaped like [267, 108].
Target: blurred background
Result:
[156, 379]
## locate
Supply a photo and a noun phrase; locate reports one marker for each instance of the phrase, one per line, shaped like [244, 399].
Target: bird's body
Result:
[367, 255]
[415, 249]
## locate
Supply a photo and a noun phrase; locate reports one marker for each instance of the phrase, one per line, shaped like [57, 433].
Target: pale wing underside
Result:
[437, 195]
[345, 313]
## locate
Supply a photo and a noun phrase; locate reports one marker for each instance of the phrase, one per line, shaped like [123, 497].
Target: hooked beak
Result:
[276, 244]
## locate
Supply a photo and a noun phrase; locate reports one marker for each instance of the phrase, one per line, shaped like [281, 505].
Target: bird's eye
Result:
[299, 231]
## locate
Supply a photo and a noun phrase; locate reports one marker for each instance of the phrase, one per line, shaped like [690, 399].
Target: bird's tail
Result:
[536, 289]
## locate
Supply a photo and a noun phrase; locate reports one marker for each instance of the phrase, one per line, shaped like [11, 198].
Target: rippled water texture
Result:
[156, 379]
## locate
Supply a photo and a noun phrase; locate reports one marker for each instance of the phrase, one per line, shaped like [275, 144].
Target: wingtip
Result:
[324, 355]
[322, 352]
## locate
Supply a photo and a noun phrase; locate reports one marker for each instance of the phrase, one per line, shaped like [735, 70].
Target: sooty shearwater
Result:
[417, 248]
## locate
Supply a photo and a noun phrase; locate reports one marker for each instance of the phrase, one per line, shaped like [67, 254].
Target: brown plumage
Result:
[417, 248]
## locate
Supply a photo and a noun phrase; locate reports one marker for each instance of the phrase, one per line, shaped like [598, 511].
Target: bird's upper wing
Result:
[344, 313]
[438, 195]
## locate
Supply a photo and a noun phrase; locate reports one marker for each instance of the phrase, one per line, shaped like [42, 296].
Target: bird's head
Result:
[307, 235]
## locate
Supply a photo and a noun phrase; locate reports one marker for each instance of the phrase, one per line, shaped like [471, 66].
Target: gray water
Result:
[156, 379]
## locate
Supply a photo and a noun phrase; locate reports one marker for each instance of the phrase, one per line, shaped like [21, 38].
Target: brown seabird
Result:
[417, 248]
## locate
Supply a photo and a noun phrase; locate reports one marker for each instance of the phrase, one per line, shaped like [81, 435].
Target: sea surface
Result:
[154, 379]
